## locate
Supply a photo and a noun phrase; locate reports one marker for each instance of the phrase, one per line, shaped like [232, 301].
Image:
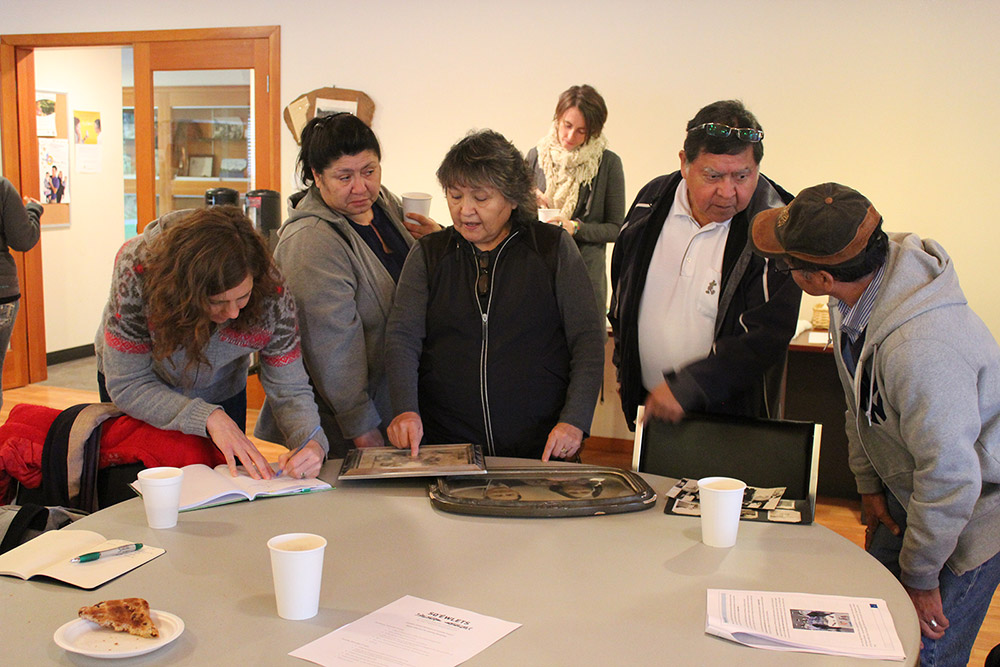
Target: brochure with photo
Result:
[829, 624]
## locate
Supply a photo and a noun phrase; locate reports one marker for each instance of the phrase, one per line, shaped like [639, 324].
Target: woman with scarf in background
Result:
[577, 174]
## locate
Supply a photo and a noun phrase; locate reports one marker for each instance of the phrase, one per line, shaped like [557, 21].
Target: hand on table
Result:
[372, 438]
[661, 404]
[303, 463]
[563, 442]
[422, 225]
[233, 443]
[876, 511]
[930, 613]
[406, 431]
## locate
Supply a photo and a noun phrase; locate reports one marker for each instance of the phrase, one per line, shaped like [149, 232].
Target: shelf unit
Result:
[203, 141]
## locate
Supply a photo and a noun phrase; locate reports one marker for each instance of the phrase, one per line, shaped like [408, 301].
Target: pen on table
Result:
[295, 451]
[117, 551]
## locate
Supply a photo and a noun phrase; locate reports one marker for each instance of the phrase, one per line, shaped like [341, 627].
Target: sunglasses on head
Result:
[747, 134]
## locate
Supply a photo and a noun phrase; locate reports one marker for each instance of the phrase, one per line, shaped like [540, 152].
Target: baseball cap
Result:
[827, 224]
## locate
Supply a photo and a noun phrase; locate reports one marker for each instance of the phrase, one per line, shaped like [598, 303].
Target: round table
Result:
[625, 589]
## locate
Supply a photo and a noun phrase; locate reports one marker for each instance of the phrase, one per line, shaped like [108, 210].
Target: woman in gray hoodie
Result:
[341, 251]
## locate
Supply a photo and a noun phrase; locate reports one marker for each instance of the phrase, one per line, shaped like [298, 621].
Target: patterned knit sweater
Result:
[168, 395]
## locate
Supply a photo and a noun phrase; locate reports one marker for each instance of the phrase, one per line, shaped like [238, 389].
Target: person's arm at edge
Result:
[319, 276]
[585, 336]
[405, 334]
[605, 226]
[738, 361]
[287, 387]
[21, 223]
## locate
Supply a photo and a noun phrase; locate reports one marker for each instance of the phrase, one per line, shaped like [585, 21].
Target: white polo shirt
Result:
[681, 297]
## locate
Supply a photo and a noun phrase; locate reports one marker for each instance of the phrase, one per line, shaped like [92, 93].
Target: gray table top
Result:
[622, 589]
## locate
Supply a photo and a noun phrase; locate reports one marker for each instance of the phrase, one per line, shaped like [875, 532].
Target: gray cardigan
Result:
[343, 295]
[600, 212]
[19, 229]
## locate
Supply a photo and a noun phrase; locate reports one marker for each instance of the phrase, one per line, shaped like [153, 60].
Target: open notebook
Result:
[49, 554]
[208, 487]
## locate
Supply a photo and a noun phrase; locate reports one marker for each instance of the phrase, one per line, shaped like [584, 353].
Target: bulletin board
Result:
[327, 100]
[55, 213]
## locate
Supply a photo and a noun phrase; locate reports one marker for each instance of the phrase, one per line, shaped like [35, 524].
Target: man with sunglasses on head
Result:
[701, 324]
[921, 375]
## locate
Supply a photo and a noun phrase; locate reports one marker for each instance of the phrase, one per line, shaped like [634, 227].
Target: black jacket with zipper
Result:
[758, 311]
[505, 373]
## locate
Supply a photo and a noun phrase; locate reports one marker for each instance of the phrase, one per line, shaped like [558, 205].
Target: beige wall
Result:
[77, 259]
[894, 98]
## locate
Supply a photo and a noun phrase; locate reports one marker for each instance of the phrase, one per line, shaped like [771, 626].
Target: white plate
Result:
[90, 639]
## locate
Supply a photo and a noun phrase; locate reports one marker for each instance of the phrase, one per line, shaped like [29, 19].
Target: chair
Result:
[761, 452]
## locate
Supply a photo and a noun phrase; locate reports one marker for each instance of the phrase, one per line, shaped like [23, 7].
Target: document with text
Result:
[830, 624]
[410, 632]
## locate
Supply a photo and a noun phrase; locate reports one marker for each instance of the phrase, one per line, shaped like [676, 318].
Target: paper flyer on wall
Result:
[829, 624]
[409, 632]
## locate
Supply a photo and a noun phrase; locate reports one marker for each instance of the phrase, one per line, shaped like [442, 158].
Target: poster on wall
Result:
[45, 113]
[87, 134]
[86, 126]
[53, 166]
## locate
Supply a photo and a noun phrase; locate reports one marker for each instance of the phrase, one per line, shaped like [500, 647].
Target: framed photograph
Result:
[200, 166]
[544, 491]
[431, 461]
[233, 167]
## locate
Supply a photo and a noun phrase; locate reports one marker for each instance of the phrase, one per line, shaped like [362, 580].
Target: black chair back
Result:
[760, 452]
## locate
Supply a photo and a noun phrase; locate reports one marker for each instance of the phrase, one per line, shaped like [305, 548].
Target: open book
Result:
[49, 554]
[208, 487]
[829, 624]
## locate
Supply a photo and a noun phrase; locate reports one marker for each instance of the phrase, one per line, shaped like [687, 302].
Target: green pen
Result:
[117, 551]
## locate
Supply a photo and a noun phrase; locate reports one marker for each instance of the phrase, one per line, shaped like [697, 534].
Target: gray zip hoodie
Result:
[928, 427]
[343, 295]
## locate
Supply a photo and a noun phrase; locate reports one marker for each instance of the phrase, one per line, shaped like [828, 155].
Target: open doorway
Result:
[253, 50]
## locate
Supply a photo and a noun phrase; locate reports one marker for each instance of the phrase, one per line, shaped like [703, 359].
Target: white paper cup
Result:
[161, 495]
[546, 214]
[416, 202]
[297, 568]
[721, 502]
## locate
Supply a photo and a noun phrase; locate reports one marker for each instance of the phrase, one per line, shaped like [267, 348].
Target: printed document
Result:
[830, 624]
[409, 632]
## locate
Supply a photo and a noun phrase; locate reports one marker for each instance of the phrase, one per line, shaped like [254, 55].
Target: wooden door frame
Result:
[20, 154]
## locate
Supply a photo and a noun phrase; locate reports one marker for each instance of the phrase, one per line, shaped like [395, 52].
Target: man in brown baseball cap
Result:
[921, 373]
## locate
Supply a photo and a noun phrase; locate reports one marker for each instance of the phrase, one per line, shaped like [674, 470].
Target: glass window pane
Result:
[204, 135]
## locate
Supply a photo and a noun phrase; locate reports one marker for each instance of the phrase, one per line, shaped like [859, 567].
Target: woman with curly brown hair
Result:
[191, 299]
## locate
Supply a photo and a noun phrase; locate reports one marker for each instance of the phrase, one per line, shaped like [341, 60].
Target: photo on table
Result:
[431, 461]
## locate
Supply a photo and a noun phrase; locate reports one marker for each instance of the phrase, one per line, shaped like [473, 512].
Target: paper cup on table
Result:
[297, 568]
[416, 202]
[161, 495]
[721, 502]
[546, 214]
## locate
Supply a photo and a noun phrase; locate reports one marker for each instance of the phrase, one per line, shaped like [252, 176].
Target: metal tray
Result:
[540, 491]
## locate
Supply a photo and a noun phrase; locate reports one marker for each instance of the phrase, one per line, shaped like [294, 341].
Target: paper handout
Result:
[408, 632]
[830, 624]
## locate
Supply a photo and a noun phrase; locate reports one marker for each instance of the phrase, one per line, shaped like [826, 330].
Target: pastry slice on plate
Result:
[129, 615]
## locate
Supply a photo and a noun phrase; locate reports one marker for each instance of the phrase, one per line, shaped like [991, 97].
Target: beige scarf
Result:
[566, 171]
